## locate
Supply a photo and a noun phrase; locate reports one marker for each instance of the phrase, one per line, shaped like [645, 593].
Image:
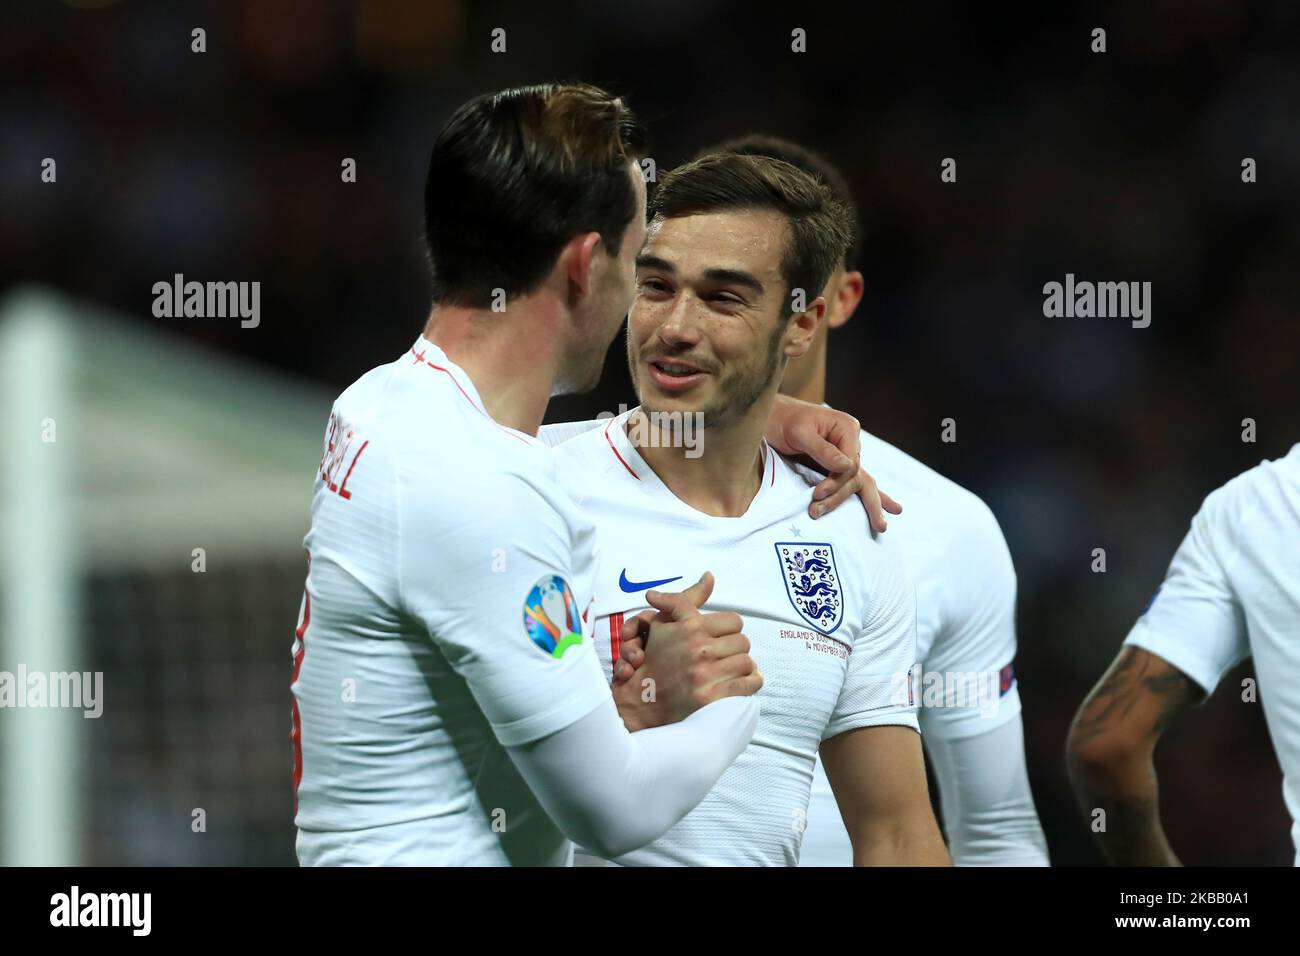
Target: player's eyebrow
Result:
[654, 262]
[718, 276]
[734, 277]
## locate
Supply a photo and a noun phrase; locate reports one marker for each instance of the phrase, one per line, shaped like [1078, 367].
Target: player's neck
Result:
[805, 377]
[719, 474]
[488, 346]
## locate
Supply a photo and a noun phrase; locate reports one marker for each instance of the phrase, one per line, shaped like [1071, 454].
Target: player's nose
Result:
[678, 328]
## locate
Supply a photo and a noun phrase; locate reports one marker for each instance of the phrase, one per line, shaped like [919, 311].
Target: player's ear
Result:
[579, 257]
[848, 294]
[803, 328]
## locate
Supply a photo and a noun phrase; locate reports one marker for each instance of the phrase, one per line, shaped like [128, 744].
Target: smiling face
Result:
[709, 330]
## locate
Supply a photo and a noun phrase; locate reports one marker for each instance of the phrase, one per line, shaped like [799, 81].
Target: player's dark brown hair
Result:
[759, 144]
[820, 225]
[515, 175]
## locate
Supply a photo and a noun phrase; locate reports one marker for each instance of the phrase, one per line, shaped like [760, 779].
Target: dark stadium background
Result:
[1079, 433]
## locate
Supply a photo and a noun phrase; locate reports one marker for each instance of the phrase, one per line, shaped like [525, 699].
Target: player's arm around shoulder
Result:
[872, 750]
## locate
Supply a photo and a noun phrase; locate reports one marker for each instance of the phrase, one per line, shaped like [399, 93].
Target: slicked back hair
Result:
[820, 225]
[516, 175]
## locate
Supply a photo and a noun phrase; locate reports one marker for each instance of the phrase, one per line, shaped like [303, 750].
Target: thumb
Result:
[683, 605]
[700, 591]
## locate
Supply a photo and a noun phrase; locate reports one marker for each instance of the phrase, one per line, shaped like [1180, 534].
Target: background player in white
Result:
[966, 596]
[1232, 592]
[733, 244]
[448, 705]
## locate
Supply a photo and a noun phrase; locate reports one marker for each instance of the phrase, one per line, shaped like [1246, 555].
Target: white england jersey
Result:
[1233, 591]
[443, 621]
[829, 611]
[965, 680]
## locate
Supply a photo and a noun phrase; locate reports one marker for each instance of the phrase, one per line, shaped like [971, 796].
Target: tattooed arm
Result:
[1110, 749]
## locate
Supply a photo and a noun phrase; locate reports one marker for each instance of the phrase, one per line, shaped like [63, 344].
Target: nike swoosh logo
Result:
[632, 587]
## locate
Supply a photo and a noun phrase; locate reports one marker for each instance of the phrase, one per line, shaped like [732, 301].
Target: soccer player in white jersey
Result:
[829, 610]
[1232, 592]
[449, 707]
[966, 594]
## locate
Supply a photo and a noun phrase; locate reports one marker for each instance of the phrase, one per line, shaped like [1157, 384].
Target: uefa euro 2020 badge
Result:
[812, 582]
[551, 616]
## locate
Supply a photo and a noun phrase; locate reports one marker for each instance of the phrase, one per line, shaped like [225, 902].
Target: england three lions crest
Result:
[812, 582]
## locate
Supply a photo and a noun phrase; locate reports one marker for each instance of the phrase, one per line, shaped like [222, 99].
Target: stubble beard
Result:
[738, 389]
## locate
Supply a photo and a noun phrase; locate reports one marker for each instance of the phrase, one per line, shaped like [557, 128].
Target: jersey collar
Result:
[435, 360]
[634, 468]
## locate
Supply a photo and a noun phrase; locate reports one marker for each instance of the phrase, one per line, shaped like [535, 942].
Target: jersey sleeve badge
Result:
[551, 617]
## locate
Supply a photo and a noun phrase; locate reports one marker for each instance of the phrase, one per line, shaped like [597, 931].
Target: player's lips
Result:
[674, 376]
